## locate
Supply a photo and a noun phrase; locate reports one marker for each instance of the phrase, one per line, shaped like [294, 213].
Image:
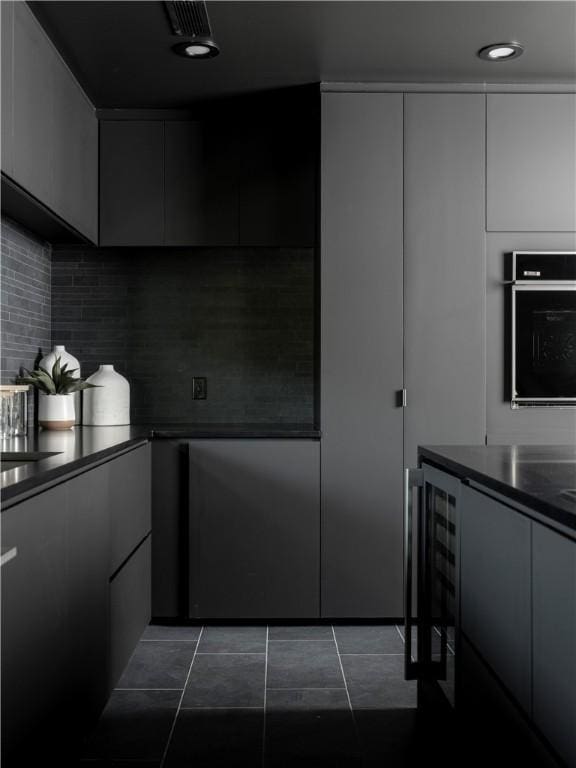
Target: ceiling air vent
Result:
[188, 18]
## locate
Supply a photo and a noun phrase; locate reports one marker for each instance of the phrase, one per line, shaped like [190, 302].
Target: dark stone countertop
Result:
[541, 477]
[77, 449]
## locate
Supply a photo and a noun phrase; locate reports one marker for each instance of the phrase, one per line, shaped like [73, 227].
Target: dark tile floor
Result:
[315, 696]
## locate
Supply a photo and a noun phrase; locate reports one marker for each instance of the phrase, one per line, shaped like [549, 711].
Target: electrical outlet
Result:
[198, 388]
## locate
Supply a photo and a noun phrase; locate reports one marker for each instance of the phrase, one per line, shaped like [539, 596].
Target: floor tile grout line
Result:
[343, 675]
[231, 653]
[189, 709]
[371, 654]
[301, 640]
[404, 641]
[356, 728]
[166, 640]
[333, 688]
[164, 755]
[265, 697]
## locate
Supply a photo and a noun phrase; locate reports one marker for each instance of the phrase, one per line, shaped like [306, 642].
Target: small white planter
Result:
[65, 359]
[56, 411]
[109, 403]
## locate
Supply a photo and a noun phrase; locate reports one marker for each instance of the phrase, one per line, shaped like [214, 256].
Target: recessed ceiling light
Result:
[501, 51]
[198, 48]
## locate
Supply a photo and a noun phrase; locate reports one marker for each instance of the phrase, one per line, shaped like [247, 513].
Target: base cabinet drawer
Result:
[129, 503]
[129, 608]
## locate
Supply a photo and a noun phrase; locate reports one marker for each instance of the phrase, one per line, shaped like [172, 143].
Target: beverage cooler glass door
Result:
[436, 551]
[544, 345]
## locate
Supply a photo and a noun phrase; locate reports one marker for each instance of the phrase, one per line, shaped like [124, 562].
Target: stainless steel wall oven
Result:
[543, 329]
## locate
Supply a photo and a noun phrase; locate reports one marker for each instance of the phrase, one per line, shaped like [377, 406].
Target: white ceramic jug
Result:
[108, 404]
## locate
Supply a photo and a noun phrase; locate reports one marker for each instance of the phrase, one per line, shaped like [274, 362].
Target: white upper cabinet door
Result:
[531, 174]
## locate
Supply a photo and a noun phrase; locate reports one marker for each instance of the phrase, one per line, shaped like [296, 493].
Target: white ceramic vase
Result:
[56, 411]
[109, 403]
[65, 359]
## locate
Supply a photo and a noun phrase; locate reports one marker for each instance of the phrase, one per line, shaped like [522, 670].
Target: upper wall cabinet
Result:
[278, 171]
[131, 183]
[531, 162]
[200, 183]
[7, 90]
[49, 129]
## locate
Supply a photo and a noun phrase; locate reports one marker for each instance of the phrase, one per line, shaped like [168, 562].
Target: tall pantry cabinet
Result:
[402, 307]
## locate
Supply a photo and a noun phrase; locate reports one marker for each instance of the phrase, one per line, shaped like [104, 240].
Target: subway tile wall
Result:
[243, 318]
[25, 301]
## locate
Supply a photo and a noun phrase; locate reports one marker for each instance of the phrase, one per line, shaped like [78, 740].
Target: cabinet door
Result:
[554, 639]
[361, 364]
[531, 184]
[444, 284]
[35, 637]
[129, 609]
[35, 63]
[129, 503]
[278, 169]
[495, 599]
[75, 155]
[169, 471]
[201, 184]
[7, 92]
[88, 594]
[131, 182]
[254, 529]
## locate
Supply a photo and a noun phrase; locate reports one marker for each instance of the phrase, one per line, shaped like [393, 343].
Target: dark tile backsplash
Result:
[243, 318]
[26, 299]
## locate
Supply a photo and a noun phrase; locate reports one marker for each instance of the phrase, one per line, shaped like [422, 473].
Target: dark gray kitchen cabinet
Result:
[278, 170]
[444, 283]
[554, 639]
[55, 616]
[67, 627]
[7, 88]
[34, 622]
[129, 609]
[531, 156]
[35, 63]
[49, 127]
[131, 182]
[253, 529]
[201, 184]
[129, 504]
[87, 638]
[170, 523]
[495, 593]
[74, 155]
[361, 354]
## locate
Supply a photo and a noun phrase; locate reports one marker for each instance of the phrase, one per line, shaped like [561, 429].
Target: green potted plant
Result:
[55, 390]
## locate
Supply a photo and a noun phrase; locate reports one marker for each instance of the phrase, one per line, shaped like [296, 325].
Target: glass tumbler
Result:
[13, 410]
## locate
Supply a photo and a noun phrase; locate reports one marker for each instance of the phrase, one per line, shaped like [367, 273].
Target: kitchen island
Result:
[498, 585]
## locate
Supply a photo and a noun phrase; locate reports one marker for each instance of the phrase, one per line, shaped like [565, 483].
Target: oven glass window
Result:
[545, 343]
